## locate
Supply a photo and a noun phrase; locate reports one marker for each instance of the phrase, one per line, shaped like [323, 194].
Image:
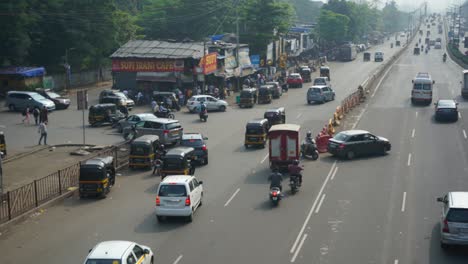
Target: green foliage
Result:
[333, 27]
[393, 19]
[306, 11]
[455, 51]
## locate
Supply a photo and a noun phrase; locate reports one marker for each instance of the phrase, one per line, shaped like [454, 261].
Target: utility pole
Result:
[237, 45]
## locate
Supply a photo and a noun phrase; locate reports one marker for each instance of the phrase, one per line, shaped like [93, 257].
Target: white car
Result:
[438, 45]
[122, 252]
[178, 195]
[378, 56]
[212, 104]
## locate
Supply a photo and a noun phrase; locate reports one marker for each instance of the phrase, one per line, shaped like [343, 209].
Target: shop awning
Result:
[156, 77]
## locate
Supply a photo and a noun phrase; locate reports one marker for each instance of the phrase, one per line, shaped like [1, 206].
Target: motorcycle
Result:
[165, 114]
[275, 195]
[203, 116]
[444, 58]
[294, 183]
[309, 150]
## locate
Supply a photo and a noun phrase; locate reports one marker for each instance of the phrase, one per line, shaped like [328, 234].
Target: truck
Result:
[348, 52]
[283, 145]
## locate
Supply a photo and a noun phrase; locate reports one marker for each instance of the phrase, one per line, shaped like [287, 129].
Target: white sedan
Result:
[212, 104]
[123, 252]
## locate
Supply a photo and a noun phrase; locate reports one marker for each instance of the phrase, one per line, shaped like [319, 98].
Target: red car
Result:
[295, 80]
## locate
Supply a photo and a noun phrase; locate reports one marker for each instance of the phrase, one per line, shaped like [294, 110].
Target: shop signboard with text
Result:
[209, 63]
[151, 65]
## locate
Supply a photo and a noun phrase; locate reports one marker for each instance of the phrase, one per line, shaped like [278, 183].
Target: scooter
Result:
[309, 150]
[444, 59]
[203, 116]
[275, 195]
[294, 183]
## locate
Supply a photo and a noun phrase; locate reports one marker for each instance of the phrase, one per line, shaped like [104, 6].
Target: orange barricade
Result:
[330, 128]
[322, 143]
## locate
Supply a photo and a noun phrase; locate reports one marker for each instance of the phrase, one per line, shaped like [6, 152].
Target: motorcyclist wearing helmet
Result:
[276, 178]
[444, 56]
[308, 141]
[295, 170]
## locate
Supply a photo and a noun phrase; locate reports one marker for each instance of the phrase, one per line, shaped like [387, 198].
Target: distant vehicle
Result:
[115, 97]
[454, 220]
[378, 56]
[352, 143]
[178, 195]
[348, 52]
[196, 141]
[169, 131]
[19, 100]
[212, 104]
[61, 102]
[295, 80]
[133, 119]
[422, 88]
[320, 94]
[322, 81]
[277, 90]
[464, 84]
[122, 252]
[446, 109]
[438, 45]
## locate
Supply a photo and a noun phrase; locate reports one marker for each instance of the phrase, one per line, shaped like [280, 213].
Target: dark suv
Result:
[196, 141]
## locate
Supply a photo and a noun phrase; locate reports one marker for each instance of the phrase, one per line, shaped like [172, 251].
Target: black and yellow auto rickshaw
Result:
[416, 51]
[142, 151]
[104, 114]
[397, 43]
[265, 94]
[163, 96]
[97, 176]
[179, 161]
[275, 116]
[248, 97]
[256, 132]
[325, 72]
[3, 148]
[367, 56]
[306, 74]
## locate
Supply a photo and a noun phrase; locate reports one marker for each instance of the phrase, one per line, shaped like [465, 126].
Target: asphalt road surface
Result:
[371, 210]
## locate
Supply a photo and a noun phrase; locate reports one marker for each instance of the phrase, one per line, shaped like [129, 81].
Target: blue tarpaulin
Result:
[217, 37]
[255, 60]
[23, 71]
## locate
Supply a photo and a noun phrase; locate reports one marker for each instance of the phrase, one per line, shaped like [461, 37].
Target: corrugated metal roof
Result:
[159, 50]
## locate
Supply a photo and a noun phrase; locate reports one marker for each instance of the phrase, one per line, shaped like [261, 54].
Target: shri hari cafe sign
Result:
[150, 65]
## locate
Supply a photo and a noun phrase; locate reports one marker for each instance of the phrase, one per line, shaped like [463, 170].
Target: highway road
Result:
[371, 210]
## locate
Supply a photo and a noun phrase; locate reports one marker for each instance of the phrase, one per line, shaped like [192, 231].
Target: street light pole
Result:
[237, 46]
[68, 68]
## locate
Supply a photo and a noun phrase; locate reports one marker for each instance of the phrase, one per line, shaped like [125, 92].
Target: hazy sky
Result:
[434, 5]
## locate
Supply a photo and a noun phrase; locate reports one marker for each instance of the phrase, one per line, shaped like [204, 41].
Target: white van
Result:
[422, 88]
[178, 195]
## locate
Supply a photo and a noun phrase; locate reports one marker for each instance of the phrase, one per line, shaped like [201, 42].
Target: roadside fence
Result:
[18, 201]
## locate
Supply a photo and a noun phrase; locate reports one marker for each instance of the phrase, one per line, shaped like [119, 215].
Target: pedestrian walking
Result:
[25, 114]
[36, 113]
[43, 131]
[44, 115]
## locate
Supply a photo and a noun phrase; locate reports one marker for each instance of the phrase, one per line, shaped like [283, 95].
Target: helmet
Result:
[275, 169]
[296, 162]
[309, 134]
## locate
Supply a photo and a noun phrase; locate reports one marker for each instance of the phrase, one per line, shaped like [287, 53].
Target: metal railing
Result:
[18, 201]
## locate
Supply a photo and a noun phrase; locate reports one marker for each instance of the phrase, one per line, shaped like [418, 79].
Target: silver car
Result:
[320, 94]
[132, 120]
[169, 131]
[454, 219]
[212, 104]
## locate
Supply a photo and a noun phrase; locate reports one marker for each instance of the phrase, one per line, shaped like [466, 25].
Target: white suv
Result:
[454, 219]
[211, 103]
[122, 252]
[178, 195]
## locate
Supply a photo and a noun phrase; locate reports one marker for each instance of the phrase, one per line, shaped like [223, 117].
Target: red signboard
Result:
[151, 65]
[209, 63]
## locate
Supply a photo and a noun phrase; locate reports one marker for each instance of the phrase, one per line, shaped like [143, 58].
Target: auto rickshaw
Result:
[397, 43]
[416, 51]
[265, 94]
[248, 97]
[3, 149]
[367, 56]
[256, 132]
[142, 151]
[306, 74]
[97, 176]
[325, 72]
[162, 97]
[178, 161]
[104, 113]
[275, 116]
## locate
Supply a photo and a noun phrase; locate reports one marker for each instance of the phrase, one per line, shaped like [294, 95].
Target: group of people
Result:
[41, 119]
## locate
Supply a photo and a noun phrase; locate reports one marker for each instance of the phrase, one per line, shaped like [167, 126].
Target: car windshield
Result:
[91, 174]
[191, 142]
[172, 163]
[103, 261]
[254, 130]
[319, 81]
[38, 97]
[422, 86]
[172, 190]
[53, 95]
[458, 215]
[341, 137]
[120, 94]
[139, 149]
[446, 104]
[315, 90]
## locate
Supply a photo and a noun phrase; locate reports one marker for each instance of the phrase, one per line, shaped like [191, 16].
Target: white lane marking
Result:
[299, 115]
[409, 160]
[299, 248]
[263, 160]
[334, 173]
[464, 133]
[459, 115]
[416, 113]
[359, 117]
[403, 203]
[396, 261]
[312, 209]
[451, 91]
[232, 197]
[320, 204]
[381, 80]
[178, 259]
[412, 133]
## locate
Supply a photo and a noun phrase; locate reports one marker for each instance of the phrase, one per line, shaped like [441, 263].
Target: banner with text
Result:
[138, 65]
[209, 63]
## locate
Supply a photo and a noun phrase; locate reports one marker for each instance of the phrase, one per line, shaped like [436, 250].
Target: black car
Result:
[196, 141]
[446, 110]
[61, 102]
[351, 143]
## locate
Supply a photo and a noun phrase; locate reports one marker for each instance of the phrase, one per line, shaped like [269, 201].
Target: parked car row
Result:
[20, 100]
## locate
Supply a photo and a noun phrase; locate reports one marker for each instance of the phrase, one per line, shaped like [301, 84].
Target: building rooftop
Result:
[155, 49]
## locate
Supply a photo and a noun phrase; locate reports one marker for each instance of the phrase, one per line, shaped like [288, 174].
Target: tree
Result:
[333, 27]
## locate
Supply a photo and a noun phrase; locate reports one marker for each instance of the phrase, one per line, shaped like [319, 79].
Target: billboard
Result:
[209, 63]
[150, 65]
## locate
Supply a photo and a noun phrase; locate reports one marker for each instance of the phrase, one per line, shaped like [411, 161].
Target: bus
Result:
[348, 52]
